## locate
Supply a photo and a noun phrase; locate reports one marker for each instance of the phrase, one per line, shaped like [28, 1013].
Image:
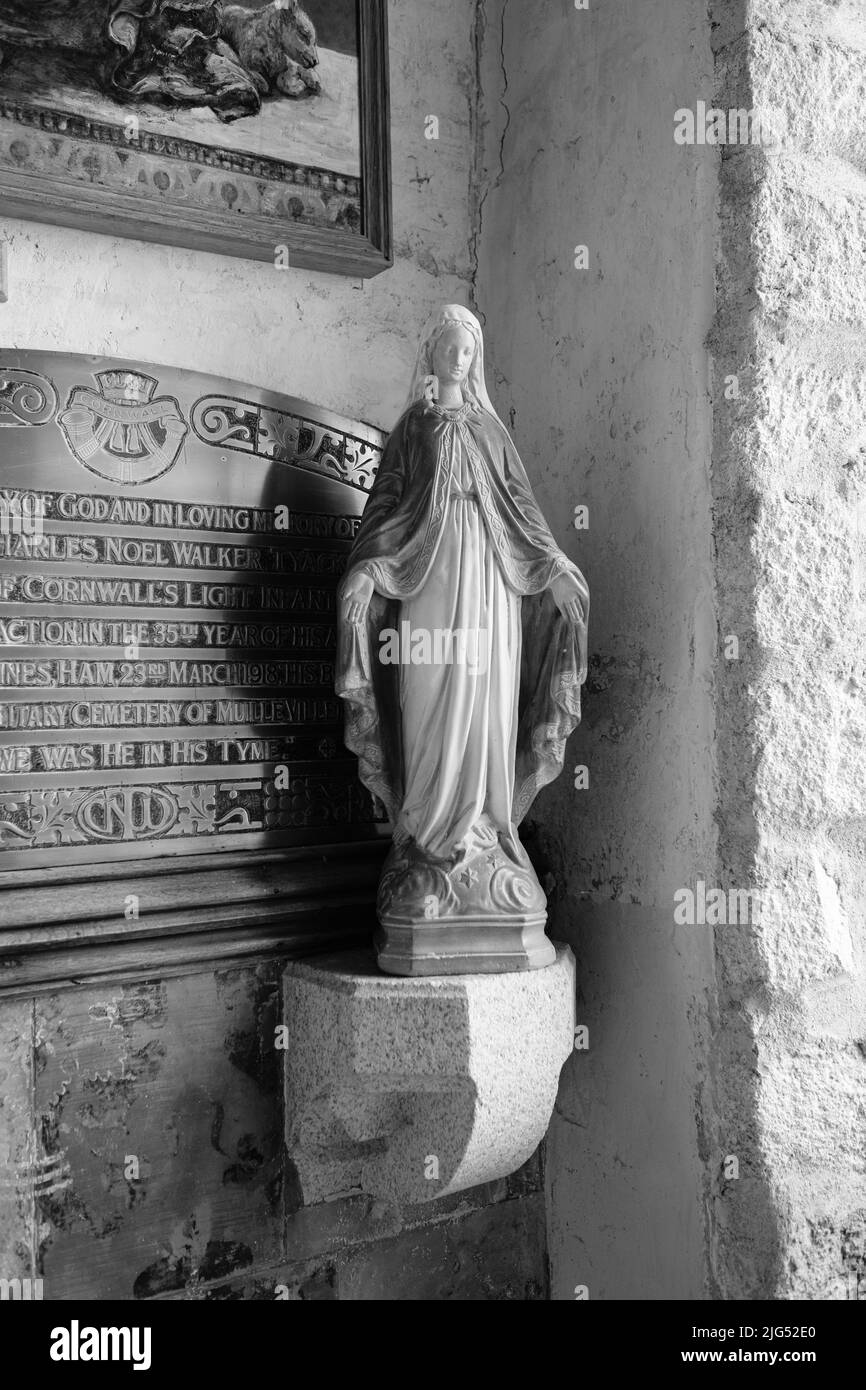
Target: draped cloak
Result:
[397, 545]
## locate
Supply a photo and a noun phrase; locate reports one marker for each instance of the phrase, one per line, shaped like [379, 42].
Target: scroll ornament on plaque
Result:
[462, 650]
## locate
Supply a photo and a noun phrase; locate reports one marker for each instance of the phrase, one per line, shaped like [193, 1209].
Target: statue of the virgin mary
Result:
[461, 655]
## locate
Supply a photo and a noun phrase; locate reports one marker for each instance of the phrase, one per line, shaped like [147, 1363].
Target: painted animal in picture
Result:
[180, 52]
[276, 45]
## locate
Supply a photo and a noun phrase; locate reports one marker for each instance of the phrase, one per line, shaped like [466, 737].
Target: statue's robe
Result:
[452, 531]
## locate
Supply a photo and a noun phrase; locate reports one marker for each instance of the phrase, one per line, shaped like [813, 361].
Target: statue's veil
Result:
[475, 385]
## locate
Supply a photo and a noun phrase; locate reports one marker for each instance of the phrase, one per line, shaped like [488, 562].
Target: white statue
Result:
[462, 652]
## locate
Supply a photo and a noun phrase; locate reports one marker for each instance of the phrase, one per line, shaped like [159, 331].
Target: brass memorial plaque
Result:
[170, 547]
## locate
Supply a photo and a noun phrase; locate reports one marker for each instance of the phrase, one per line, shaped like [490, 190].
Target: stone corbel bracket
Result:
[413, 1088]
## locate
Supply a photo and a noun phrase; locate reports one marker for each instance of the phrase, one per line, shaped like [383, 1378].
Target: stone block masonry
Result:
[789, 482]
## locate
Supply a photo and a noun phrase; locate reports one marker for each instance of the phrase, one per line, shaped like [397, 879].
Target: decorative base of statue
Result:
[481, 912]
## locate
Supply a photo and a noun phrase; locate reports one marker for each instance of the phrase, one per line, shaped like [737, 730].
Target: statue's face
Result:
[453, 354]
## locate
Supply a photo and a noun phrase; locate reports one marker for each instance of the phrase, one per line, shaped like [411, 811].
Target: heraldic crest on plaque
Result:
[119, 432]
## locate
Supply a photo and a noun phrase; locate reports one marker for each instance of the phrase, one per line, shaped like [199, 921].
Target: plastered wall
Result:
[605, 374]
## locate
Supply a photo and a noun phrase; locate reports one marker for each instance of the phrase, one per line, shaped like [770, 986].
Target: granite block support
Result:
[411, 1089]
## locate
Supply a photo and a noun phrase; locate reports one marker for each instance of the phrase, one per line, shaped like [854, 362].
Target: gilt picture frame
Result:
[257, 130]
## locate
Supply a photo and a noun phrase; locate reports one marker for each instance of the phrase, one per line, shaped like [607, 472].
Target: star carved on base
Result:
[468, 876]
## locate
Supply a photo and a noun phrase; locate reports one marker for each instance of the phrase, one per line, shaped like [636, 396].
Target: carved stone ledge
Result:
[411, 1089]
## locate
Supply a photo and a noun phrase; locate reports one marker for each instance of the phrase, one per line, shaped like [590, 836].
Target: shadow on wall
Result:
[380, 1092]
[656, 1183]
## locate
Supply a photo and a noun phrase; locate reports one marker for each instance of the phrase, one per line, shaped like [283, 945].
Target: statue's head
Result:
[452, 353]
[452, 348]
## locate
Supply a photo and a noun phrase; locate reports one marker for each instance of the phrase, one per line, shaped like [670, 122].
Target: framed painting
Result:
[258, 129]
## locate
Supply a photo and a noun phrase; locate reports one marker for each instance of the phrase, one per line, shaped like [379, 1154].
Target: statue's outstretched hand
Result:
[567, 596]
[356, 597]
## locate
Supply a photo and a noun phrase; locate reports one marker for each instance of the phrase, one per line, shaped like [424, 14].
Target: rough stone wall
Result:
[342, 343]
[789, 472]
[603, 373]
